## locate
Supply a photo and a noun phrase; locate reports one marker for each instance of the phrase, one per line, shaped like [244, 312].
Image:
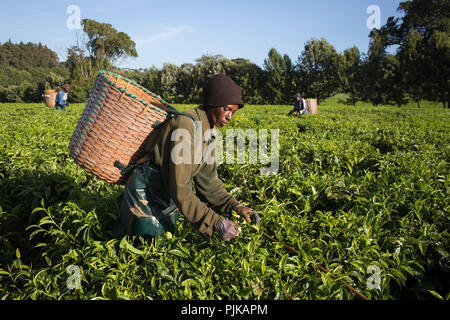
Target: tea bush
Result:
[358, 189]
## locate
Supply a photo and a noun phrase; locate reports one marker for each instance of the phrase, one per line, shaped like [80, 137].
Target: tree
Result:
[151, 80]
[428, 57]
[249, 77]
[381, 74]
[169, 76]
[106, 44]
[26, 69]
[439, 55]
[206, 66]
[394, 82]
[79, 61]
[83, 73]
[273, 84]
[318, 65]
[185, 83]
[10, 94]
[101, 48]
[27, 56]
[350, 74]
[412, 64]
[288, 85]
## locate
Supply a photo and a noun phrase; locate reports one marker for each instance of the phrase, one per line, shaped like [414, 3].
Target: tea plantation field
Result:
[361, 191]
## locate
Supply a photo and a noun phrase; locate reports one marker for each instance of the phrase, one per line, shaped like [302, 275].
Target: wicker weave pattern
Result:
[312, 106]
[114, 125]
[49, 97]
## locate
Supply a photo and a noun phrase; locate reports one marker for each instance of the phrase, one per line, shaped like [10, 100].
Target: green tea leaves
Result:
[124, 244]
[362, 191]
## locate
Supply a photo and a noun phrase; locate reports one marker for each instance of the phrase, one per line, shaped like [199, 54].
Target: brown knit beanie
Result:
[221, 90]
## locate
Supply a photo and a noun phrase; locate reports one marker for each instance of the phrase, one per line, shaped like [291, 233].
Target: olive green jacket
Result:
[203, 202]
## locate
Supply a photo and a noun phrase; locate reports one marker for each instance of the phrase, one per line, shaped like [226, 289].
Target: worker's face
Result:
[298, 98]
[220, 116]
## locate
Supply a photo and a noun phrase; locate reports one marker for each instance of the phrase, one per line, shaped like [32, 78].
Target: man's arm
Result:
[211, 188]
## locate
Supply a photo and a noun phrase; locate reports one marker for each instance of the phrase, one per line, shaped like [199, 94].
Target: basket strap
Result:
[171, 112]
[123, 168]
[174, 112]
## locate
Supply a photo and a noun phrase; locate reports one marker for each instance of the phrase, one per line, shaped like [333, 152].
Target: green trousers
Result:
[144, 208]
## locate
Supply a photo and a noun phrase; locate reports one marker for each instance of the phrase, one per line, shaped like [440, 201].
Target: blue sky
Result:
[180, 31]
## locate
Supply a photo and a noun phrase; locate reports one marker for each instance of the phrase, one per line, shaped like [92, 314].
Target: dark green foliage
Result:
[422, 37]
[354, 190]
[26, 70]
[318, 66]
[350, 74]
[27, 56]
[273, 66]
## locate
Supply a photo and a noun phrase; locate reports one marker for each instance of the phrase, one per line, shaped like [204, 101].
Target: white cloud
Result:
[164, 34]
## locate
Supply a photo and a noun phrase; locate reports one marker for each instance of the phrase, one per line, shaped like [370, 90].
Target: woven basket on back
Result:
[49, 97]
[115, 125]
[312, 106]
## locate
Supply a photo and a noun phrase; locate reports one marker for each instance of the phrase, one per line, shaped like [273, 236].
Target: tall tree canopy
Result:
[422, 36]
[350, 74]
[318, 65]
[107, 44]
[273, 67]
[101, 49]
[27, 56]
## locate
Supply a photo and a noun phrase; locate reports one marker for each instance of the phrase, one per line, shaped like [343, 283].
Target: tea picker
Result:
[112, 141]
[300, 106]
[61, 99]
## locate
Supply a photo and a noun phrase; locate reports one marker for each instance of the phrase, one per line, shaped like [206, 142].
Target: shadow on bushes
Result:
[21, 194]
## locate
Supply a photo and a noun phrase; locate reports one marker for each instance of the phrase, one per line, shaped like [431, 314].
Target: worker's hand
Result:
[255, 218]
[245, 212]
[229, 229]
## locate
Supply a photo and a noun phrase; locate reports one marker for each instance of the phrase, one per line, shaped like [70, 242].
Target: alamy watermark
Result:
[189, 150]
[374, 280]
[374, 20]
[74, 280]
[73, 22]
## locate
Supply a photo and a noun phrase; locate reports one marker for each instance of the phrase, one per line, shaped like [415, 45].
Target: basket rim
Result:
[103, 74]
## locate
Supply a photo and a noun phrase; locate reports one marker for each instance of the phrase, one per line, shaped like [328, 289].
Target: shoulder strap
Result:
[172, 112]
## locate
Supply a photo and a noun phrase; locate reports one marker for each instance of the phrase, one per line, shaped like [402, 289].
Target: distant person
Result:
[300, 106]
[61, 98]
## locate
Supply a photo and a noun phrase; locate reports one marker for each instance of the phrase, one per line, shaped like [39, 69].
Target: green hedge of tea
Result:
[360, 191]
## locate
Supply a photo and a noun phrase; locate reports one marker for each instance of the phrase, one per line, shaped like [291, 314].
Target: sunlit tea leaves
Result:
[358, 189]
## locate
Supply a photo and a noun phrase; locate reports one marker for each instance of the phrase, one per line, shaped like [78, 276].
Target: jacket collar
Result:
[203, 117]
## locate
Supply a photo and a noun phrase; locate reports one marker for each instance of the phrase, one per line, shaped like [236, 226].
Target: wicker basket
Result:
[115, 125]
[49, 97]
[312, 106]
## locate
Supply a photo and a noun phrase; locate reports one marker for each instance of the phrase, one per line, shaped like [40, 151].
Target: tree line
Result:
[418, 68]
[27, 69]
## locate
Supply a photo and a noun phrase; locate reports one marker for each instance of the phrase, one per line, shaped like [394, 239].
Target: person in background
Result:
[61, 98]
[300, 106]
